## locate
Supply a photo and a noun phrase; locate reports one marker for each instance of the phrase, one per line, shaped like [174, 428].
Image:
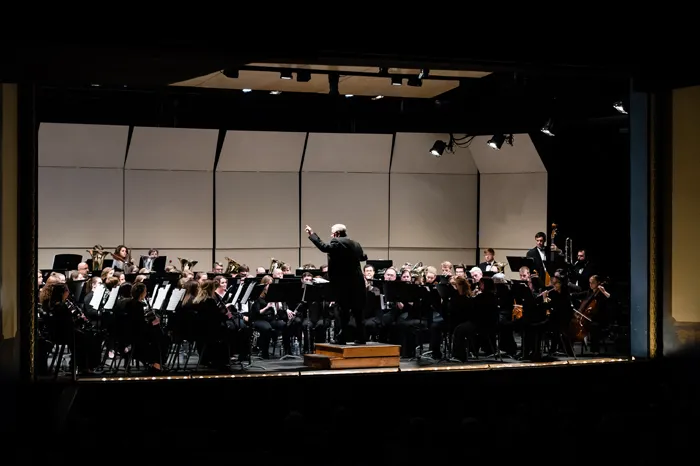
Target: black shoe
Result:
[360, 342]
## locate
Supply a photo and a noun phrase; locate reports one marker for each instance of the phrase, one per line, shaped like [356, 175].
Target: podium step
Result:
[321, 361]
[370, 350]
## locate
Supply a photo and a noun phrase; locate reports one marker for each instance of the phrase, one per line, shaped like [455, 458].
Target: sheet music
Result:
[163, 293]
[238, 292]
[154, 294]
[97, 294]
[175, 298]
[113, 294]
[382, 301]
[246, 296]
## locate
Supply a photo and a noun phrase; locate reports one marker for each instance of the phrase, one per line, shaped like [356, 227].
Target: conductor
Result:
[346, 279]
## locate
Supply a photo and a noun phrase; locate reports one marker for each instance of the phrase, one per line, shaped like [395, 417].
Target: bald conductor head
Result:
[337, 231]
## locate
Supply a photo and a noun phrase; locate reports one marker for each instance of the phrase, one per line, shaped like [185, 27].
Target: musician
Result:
[369, 272]
[201, 277]
[373, 313]
[68, 325]
[287, 269]
[581, 272]
[40, 279]
[107, 272]
[315, 319]
[534, 283]
[481, 322]
[122, 259]
[345, 276]
[447, 269]
[153, 253]
[263, 316]
[83, 271]
[243, 271]
[91, 311]
[460, 270]
[594, 304]
[217, 268]
[148, 343]
[489, 264]
[260, 271]
[476, 273]
[558, 301]
[539, 255]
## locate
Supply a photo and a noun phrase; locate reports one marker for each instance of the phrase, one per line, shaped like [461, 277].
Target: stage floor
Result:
[294, 367]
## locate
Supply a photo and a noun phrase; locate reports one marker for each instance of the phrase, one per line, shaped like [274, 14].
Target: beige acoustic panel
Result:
[46, 255]
[311, 255]
[412, 155]
[521, 157]
[501, 255]
[358, 200]
[513, 209]
[257, 210]
[79, 206]
[89, 146]
[433, 257]
[202, 256]
[348, 152]
[261, 151]
[168, 209]
[254, 258]
[433, 211]
[172, 149]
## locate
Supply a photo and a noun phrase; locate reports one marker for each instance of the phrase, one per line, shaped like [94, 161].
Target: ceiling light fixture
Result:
[620, 107]
[496, 142]
[548, 128]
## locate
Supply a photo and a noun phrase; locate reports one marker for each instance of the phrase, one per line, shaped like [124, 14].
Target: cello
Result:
[583, 317]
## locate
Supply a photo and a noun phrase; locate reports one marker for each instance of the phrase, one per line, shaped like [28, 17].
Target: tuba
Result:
[418, 271]
[98, 257]
[186, 264]
[232, 266]
[274, 265]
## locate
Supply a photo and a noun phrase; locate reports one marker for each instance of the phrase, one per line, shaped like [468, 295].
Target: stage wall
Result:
[165, 188]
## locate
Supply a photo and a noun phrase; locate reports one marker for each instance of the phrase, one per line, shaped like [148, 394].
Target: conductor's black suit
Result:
[346, 279]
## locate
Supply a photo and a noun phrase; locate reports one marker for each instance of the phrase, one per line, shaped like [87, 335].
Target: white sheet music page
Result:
[175, 298]
[238, 292]
[162, 294]
[97, 294]
[153, 295]
[113, 294]
[246, 296]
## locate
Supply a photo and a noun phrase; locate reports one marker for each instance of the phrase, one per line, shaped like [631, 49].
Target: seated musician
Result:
[372, 312]
[391, 311]
[315, 319]
[107, 272]
[489, 264]
[218, 332]
[480, 325]
[477, 274]
[558, 301]
[83, 271]
[243, 271]
[260, 271]
[68, 325]
[287, 269]
[89, 310]
[201, 277]
[264, 318]
[447, 269]
[460, 270]
[534, 283]
[143, 331]
[217, 268]
[122, 259]
[594, 305]
[418, 318]
[185, 317]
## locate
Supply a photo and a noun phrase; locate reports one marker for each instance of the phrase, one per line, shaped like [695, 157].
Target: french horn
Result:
[501, 266]
[232, 266]
[274, 264]
[186, 264]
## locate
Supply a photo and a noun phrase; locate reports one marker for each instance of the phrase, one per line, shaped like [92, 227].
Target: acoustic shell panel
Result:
[433, 257]
[521, 157]
[254, 258]
[348, 152]
[202, 256]
[513, 208]
[311, 255]
[46, 255]
[172, 149]
[433, 211]
[159, 213]
[257, 210]
[501, 255]
[89, 146]
[80, 206]
[412, 155]
[261, 151]
[358, 200]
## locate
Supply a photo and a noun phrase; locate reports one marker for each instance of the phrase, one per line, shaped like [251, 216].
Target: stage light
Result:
[396, 81]
[349, 95]
[378, 97]
[438, 148]
[303, 76]
[548, 128]
[423, 73]
[285, 74]
[247, 90]
[231, 73]
[275, 92]
[620, 107]
[496, 142]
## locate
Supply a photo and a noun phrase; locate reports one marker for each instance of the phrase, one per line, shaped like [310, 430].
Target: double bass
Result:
[583, 317]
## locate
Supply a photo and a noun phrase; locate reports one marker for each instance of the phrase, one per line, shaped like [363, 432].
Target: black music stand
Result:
[66, 262]
[398, 291]
[256, 290]
[380, 266]
[157, 265]
[285, 291]
[313, 272]
[516, 263]
[77, 290]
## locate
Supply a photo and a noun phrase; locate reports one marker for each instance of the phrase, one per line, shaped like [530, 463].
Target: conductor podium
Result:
[331, 356]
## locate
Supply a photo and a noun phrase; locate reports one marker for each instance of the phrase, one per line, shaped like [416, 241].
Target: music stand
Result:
[285, 291]
[77, 290]
[516, 263]
[66, 262]
[252, 292]
[313, 272]
[157, 264]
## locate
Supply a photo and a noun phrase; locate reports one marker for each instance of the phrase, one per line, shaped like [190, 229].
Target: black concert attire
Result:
[541, 266]
[600, 316]
[347, 281]
[148, 342]
[579, 275]
[292, 327]
[559, 320]
[265, 324]
[373, 314]
[215, 338]
[483, 265]
[66, 327]
[480, 326]
[238, 331]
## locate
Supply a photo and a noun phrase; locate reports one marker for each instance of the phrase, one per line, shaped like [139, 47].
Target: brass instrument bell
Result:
[232, 266]
[186, 264]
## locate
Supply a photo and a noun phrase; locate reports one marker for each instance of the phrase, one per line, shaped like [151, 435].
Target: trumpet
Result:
[232, 267]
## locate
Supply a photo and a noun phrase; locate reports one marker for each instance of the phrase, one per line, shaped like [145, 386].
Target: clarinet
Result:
[80, 320]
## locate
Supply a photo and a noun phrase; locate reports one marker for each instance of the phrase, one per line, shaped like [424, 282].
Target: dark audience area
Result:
[617, 413]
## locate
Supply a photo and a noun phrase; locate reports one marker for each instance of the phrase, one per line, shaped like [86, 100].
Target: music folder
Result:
[516, 263]
[398, 291]
[284, 292]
